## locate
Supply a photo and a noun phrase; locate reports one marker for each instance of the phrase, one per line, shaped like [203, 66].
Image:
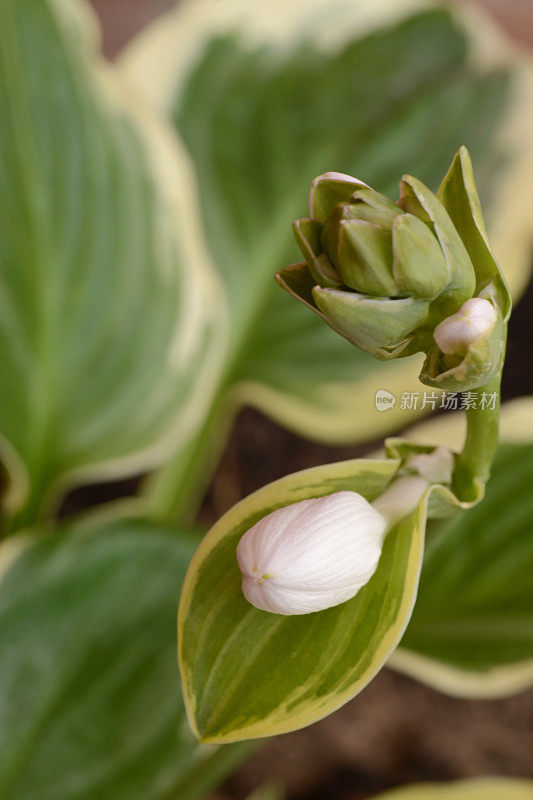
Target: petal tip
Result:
[340, 177]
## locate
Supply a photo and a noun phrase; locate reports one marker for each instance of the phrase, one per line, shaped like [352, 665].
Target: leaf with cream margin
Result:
[248, 673]
[493, 788]
[471, 633]
[107, 307]
[90, 695]
[259, 93]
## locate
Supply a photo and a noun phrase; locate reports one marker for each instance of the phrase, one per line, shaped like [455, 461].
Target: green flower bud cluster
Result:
[385, 274]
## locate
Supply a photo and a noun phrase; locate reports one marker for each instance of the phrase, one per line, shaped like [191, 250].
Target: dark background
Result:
[396, 731]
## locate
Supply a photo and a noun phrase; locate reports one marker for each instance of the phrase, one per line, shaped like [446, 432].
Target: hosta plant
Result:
[323, 565]
[146, 207]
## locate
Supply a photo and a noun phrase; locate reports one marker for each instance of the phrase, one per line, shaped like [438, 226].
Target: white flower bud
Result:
[311, 555]
[436, 467]
[456, 333]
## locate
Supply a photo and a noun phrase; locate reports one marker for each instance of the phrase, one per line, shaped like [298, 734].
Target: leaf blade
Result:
[103, 335]
[470, 789]
[471, 634]
[89, 668]
[247, 673]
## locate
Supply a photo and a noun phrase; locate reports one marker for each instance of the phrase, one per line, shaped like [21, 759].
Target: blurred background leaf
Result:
[471, 633]
[267, 99]
[90, 697]
[474, 789]
[106, 307]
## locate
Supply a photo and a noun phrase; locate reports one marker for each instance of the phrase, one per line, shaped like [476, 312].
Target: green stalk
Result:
[473, 465]
[176, 491]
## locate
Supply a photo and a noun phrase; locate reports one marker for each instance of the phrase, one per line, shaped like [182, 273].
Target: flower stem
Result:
[174, 493]
[473, 465]
[400, 498]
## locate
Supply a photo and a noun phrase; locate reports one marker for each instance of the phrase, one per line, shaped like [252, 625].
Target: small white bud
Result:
[456, 333]
[436, 467]
[311, 555]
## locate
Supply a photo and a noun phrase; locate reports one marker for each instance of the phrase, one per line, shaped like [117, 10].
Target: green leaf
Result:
[475, 608]
[472, 789]
[459, 195]
[89, 687]
[106, 306]
[471, 633]
[248, 673]
[267, 101]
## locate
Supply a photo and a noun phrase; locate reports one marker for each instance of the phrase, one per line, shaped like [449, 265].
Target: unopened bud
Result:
[311, 555]
[475, 319]
[436, 467]
[329, 189]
